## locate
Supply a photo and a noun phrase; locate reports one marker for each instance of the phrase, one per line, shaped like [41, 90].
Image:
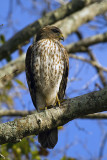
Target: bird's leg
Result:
[48, 107]
[40, 110]
[45, 108]
[63, 100]
[57, 100]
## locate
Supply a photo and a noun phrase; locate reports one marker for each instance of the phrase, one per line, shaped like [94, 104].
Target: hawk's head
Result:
[50, 32]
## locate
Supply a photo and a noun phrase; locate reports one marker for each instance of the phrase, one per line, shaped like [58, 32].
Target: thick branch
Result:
[71, 23]
[14, 113]
[68, 25]
[12, 69]
[25, 34]
[73, 108]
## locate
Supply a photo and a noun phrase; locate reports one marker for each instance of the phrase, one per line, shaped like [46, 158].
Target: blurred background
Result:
[80, 139]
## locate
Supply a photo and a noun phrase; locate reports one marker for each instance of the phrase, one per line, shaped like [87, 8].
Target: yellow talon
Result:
[51, 106]
[63, 100]
[58, 101]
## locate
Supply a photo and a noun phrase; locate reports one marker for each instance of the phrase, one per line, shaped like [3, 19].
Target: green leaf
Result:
[8, 58]
[4, 98]
[20, 83]
[35, 155]
[67, 158]
[20, 51]
[2, 39]
[8, 86]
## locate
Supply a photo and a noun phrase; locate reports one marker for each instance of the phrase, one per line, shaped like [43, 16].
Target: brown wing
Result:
[63, 83]
[29, 74]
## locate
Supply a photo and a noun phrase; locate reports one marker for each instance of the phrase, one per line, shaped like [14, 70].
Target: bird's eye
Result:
[55, 30]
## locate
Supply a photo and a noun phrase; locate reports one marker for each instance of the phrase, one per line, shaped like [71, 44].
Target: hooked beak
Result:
[61, 37]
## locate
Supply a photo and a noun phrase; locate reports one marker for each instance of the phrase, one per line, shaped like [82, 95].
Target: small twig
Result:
[98, 69]
[82, 45]
[103, 143]
[92, 62]
[1, 156]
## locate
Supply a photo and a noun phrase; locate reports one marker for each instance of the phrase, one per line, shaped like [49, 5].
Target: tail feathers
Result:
[49, 138]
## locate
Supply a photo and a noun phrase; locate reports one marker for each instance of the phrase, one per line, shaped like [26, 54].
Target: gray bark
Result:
[20, 38]
[73, 108]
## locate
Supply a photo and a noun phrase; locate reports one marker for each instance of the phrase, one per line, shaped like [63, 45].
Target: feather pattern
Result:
[46, 67]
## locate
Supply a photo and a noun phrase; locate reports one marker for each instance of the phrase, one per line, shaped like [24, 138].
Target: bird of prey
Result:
[46, 67]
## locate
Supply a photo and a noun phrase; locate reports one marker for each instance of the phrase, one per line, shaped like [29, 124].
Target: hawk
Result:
[46, 67]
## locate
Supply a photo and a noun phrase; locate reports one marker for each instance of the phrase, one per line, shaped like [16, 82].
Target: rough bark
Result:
[12, 69]
[72, 22]
[20, 38]
[20, 113]
[73, 108]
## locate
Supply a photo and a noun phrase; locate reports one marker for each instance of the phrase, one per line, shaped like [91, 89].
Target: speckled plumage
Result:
[46, 69]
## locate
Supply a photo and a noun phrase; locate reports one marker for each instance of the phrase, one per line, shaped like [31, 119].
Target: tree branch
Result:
[25, 34]
[74, 20]
[71, 23]
[73, 108]
[98, 69]
[14, 113]
[92, 62]
[82, 45]
[12, 69]
[95, 116]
